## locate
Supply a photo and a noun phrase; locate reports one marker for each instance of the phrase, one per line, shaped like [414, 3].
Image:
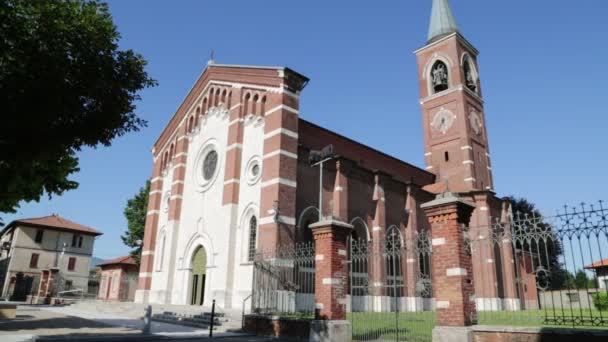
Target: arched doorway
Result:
[199, 270]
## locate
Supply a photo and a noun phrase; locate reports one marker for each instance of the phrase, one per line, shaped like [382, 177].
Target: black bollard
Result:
[212, 319]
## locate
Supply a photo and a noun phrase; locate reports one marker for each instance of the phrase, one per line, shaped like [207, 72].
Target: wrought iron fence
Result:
[538, 270]
[284, 281]
[391, 288]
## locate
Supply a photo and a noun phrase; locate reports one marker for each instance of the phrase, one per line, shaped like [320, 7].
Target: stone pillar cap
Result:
[446, 198]
[331, 222]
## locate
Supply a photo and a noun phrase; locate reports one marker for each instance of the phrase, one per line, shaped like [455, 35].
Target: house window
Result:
[39, 234]
[71, 264]
[34, 260]
[77, 240]
[253, 232]
[68, 285]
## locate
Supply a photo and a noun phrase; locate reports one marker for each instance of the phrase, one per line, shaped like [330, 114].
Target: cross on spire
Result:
[442, 20]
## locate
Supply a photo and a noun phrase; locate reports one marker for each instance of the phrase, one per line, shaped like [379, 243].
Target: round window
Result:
[254, 170]
[209, 165]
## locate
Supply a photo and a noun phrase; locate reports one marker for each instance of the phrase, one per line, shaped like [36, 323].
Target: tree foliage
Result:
[65, 84]
[135, 212]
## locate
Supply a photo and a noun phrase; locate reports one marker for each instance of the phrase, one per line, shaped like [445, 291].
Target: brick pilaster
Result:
[410, 266]
[279, 171]
[452, 265]
[151, 226]
[377, 271]
[482, 250]
[331, 269]
[340, 194]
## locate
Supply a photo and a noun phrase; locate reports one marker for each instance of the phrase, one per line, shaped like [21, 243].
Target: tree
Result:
[64, 84]
[135, 212]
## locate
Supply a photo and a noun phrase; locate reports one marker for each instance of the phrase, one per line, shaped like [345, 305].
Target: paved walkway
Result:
[71, 322]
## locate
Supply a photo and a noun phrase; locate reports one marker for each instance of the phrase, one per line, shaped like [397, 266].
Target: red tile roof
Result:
[598, 264]
[123, 260]
[54, 222]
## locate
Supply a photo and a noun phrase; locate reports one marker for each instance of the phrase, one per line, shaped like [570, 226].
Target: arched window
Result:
[253, 238]
[439, 77]
[394, 251]
[470, 75]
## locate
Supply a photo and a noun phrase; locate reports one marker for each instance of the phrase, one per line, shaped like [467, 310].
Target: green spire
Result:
[442, 20]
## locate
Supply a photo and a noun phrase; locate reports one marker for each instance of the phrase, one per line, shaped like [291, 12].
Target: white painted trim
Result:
[338, 189]
[319, 257]
[483, 208]
[428, 154]
[342, 252]
[152, 212]
[156, 179]
[233, 180]
[147, 253]
[283, 181]
[282, 219]
[442, 304]
[429, 168]
[332, 281]
[490, 261]
[156, 192]
[456, 272]
[283, 152]
[470, 179]
[145, 274]
[319, 306]
[284, 107]
[466, 147]
[233, 146]
[179, 165]
[178, 182]
[468, 162]
[235, 106]
[181, 154]
[376, 228]
[235, 121]
[176, 197]
[281, 131]
[438, 242]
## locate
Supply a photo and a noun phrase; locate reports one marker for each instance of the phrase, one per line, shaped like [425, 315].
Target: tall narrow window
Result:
[253, 234]
[447, 156]
[161, 259]
[39, 234]
[72, 264]
[34, 260]
[80, 238]
[74, 240]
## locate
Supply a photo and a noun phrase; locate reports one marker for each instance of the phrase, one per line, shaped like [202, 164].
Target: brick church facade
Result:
[231, 177]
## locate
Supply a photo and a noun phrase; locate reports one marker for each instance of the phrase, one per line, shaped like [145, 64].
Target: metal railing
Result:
[536, 270]
[284, 281]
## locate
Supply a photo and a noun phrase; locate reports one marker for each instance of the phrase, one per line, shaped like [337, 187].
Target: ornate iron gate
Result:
[390, 288]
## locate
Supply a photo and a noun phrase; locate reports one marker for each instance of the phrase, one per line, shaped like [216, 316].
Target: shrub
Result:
[600, 300]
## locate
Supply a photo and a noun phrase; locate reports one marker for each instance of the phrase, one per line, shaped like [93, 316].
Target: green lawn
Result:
[406, 326]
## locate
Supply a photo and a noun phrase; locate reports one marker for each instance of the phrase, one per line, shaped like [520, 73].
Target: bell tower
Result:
[455, 136]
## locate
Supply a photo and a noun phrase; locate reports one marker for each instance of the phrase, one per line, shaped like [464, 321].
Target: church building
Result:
[232, 177]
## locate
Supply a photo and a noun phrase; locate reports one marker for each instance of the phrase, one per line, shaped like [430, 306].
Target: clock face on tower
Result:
[475, 122]
[443, 120]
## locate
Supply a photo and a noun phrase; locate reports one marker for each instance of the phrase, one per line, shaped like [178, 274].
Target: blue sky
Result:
[542, 67]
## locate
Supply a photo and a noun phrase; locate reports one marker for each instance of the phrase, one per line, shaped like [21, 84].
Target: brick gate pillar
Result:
[452, 267]
[331, 273]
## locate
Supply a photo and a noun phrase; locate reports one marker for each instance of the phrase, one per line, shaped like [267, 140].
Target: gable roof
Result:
[123, 260]
[54, 222]
[598, 264]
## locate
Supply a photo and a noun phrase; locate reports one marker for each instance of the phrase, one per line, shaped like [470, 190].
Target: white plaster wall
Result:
[249, 204]
[204, 221]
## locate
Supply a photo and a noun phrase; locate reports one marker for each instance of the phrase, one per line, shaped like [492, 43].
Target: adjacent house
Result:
[40, 256]
[118, 279]
[601, 271]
